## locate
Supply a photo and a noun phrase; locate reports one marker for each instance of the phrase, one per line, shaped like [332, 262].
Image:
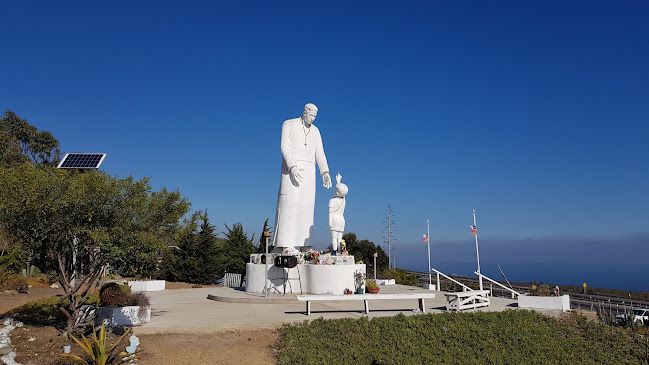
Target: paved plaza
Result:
[190, 310]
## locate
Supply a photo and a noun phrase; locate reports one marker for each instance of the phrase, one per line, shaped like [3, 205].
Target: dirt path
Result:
[14, 300]
[233, 347]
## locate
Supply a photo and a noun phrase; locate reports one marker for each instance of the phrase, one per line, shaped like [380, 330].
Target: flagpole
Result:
[430, 277]
[477, 250]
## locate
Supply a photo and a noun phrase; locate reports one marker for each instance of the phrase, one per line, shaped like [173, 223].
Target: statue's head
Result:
[341, 189]
[310, 113]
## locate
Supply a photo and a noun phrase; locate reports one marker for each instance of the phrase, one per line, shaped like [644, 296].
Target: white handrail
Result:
[497, 283]
[464, 287]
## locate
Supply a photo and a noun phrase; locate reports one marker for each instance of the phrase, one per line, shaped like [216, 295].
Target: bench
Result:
[365, 298]
[467, 300]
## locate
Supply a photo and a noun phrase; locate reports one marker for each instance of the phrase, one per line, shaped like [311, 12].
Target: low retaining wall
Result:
[147, 285]
[124, 316]
[557, 303]
[385, 281]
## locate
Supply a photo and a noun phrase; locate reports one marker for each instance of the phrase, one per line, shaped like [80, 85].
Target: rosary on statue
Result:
[306, 134]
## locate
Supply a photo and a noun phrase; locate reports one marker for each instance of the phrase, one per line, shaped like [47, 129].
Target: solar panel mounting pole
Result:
[79, 161]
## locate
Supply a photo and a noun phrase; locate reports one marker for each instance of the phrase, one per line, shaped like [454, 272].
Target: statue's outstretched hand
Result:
[296, 175]
[326, 180]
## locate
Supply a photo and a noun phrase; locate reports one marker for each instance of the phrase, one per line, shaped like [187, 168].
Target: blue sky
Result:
[535, 113]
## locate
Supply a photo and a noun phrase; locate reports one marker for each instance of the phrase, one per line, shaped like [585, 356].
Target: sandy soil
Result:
[37, 345]
[234, 347]
[42, 345]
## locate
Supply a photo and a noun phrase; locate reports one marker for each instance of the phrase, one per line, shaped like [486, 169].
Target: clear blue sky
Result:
[535, 113]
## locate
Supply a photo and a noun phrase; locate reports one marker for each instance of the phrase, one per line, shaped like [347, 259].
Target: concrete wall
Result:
[147, 285]
[316, 279]
[557, 303]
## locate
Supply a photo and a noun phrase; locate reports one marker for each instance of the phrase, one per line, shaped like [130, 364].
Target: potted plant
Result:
[118, 307]
[372, 286]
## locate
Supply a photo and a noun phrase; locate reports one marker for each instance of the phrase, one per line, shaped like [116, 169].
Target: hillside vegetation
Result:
[509, 337]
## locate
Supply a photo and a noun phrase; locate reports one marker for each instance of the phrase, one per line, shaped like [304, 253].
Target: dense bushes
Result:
[400, 276]
[363, 250]
[15, 282]
[510, 337]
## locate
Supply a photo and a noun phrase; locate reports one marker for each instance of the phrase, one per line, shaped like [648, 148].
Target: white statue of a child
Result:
[336, 214]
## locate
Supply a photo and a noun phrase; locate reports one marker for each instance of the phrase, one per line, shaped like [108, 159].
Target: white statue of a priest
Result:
[301, 147]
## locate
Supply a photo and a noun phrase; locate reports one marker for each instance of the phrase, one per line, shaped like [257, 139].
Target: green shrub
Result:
[42, 312]
[17, 283]
[45, 312]
[509, 337]
[540, 289]
[400, 276]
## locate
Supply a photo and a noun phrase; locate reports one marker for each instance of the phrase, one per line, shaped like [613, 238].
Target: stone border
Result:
[8, 353]
[252, 300]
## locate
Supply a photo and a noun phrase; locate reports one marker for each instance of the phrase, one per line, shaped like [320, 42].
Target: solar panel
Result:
[82, 160]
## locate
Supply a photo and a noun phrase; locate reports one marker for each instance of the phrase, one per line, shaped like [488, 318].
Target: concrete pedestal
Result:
[310, 278]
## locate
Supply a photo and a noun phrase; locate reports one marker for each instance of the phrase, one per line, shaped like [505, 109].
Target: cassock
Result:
[301, 147]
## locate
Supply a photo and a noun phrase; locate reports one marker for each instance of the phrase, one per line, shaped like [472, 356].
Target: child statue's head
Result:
[341, 189]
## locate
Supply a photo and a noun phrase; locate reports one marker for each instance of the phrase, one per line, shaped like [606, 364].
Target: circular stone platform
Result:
[237, 296]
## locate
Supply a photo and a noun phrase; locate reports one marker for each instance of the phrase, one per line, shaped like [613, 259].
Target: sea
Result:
[621, 263]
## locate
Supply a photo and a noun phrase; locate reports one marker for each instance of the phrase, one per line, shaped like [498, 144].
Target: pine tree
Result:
[197, 259]
[237, 249]
[262, 243]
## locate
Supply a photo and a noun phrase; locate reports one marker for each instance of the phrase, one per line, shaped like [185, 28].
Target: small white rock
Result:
[54, 286]
[7, 329]
[9, 359]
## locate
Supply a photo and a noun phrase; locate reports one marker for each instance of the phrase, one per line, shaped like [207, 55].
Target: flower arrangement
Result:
[359, 279]
[312, 256]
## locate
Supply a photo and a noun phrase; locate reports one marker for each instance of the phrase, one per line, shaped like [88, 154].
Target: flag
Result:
[425, 237]
[474, 230]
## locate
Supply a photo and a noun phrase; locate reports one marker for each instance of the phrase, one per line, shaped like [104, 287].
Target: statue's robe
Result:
[295, 204]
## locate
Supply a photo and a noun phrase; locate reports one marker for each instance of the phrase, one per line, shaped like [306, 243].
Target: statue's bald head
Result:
[310, 113]
[310, 106]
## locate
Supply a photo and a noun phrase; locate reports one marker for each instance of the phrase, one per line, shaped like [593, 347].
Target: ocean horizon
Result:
[615, 263]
